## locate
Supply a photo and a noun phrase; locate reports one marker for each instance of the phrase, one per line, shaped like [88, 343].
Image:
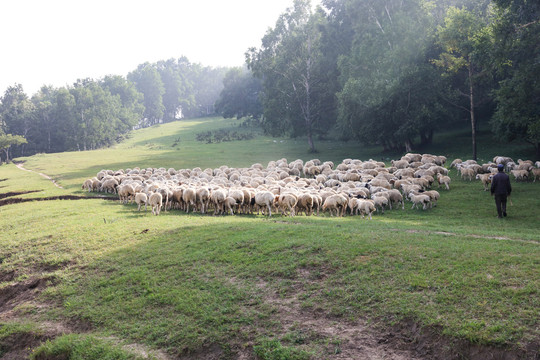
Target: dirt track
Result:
[20, 166]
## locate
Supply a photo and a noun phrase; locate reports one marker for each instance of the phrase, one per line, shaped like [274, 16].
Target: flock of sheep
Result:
[352, 187]
[523, 170]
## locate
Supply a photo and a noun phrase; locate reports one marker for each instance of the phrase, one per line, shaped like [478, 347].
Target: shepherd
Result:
[501, 188]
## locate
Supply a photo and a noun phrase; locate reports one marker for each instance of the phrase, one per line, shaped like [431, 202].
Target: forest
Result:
[385, 72]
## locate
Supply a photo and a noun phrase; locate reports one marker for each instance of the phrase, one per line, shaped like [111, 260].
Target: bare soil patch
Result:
[18, 346]
[15, 294]
[9, 194]
[339, 338]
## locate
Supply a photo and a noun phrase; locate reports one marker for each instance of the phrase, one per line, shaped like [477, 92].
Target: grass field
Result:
[124, 284]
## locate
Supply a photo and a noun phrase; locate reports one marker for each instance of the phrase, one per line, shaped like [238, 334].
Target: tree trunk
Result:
[309, 120]
[473, 120]
[408, 145]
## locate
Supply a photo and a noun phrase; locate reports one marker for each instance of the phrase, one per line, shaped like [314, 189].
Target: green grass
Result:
[186, 282]
[81, 347]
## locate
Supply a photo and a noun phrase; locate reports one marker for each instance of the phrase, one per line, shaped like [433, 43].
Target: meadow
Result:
[95, 279]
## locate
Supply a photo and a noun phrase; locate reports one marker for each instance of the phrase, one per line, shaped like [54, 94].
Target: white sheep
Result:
[455, 162]
[202, 199]
[442, 179]
[141, 198]
[380, 201]
[486, 180]
[265, 199]
[467, 173]
[189, 197]
[156, 202]
[87, 185]
[535, 174]
[520, 175]
[419, 199]
[366, 207]
[230, 203]
[287, 202]
[433, 196]
[217, 197]
[336, 202]
[304, 203]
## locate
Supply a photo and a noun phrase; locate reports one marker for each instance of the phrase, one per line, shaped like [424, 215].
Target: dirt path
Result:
[333, 338]
[20, 166]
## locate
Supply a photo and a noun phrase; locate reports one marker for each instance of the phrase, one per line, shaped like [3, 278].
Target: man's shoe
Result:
[504, 214]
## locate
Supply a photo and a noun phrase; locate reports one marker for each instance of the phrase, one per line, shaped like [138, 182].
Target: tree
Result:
[148, 81]
[459, 38]
[177, 86]
[8, 140]
[98, 115]
[240, 95]
[46, 129]
[16, 113]
[132, 108]
[289, 64]
[389, 88]
[516, 50]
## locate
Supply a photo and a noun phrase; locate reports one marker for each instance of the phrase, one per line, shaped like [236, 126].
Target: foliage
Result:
[289, 63]
[8, 140]
[460, 38]
[516, 60]
[148, 81]
[240, 96]
[390, 92]
[220, 135]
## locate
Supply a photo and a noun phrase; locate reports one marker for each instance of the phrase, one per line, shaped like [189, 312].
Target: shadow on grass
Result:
[203, 280]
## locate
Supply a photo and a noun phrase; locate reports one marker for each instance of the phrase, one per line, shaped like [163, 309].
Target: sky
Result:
[56, 42]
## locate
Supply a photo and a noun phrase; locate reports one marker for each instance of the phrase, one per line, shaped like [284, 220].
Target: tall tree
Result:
[389, 93]
[289, 63]
[148, 81]
[176, 85]
[16, 113]
[240, 95]
[45, 132]
[132, 108]
[459, 38]
[516, 53]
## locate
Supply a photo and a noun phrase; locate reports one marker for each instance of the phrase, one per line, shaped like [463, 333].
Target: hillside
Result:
[99, 279]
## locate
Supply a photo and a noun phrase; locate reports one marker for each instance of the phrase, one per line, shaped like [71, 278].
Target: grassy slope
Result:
[183, 282]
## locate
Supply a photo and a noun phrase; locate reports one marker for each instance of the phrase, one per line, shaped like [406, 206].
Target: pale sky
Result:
[56, 42]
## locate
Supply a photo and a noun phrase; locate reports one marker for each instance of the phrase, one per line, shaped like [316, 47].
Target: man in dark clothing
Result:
[501, 188]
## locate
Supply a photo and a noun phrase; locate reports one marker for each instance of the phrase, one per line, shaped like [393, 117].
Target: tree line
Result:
[387, 72]
[393, 72]
[94, 113]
